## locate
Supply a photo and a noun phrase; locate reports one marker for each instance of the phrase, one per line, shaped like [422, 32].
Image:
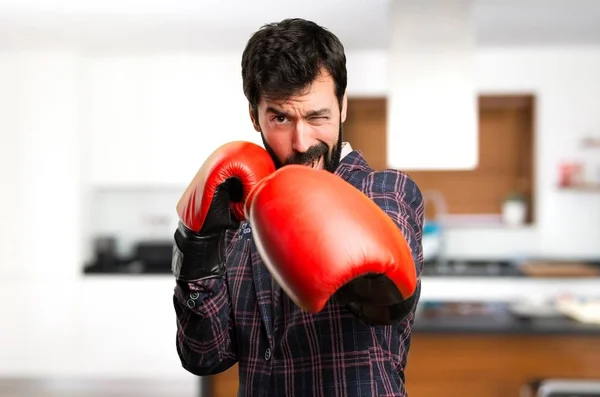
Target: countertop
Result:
[493, 318]
[498, 320]
[453, 268]
[503, 268]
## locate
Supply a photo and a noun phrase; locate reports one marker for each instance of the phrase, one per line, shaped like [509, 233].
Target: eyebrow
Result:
[319, 112]
[278, 112]
[310, 113]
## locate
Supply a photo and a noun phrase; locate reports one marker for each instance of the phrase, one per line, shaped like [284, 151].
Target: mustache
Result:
[311, 155]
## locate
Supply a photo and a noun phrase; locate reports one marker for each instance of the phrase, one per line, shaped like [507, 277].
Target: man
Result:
[283, 263]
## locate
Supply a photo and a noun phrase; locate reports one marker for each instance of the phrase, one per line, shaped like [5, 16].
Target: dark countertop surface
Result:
[493, 318]
[161, 264]
[487, 268]
[443, 317]
[155, 256]
[471, 268]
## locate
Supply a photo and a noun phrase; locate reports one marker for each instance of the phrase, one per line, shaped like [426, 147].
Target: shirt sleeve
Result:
[401, 199]
[206, 342]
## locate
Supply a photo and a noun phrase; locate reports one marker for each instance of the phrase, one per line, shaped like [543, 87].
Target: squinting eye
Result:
[279, 119]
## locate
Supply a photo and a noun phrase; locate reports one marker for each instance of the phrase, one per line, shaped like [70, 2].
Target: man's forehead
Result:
[317, 95]
[301, 104]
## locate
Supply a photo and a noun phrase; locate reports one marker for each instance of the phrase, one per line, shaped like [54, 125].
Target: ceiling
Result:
[227, 24]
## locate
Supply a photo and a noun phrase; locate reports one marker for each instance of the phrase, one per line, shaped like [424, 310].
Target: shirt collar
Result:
[346, 149]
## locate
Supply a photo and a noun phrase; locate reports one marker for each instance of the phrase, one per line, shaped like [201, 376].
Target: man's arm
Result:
[210, 210]
[206, 342]
[401, 199]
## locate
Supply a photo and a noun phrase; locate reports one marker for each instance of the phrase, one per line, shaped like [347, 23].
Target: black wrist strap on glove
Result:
[197, 257]
[374, 300]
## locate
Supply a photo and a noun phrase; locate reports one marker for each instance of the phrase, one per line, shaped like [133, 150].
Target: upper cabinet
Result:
[152, 120]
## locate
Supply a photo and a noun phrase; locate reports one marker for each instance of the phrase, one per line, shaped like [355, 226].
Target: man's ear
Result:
[344, 107]
[254, 118]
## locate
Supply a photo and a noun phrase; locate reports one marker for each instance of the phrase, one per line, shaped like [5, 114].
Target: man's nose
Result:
[301, 137]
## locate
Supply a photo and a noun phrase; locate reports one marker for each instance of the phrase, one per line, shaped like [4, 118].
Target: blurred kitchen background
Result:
[108, 108]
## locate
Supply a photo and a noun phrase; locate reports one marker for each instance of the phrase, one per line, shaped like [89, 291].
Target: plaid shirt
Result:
[245, 318]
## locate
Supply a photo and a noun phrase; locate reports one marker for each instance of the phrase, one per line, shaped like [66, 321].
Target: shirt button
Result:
[268, 354]
[194, 295]
[191, 303]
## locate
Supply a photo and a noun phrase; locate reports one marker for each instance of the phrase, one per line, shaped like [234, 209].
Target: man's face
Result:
[304, 129]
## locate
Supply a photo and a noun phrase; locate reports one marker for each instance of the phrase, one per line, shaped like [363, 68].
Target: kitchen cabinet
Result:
[152, 120]
[483, 355]
[505, 135]
[494, 365]
[482, 365]
[101, 327]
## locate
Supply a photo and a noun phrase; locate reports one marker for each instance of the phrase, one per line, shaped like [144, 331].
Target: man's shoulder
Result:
[355, 168]
[390, 180]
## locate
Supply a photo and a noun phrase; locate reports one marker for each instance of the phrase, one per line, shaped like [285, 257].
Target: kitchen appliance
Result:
[145, 257]
[431, 240]
[105, 252]
[568, 388]
[153, 256]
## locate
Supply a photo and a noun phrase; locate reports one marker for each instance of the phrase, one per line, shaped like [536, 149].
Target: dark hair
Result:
[281, 59]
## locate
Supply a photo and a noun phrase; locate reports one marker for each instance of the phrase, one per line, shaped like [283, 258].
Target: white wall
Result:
[565, 82]
[171, 110]
[56, 322]
[40, 155]
[53, 321]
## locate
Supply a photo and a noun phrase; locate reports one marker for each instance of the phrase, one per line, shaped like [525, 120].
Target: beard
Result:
[331, 156]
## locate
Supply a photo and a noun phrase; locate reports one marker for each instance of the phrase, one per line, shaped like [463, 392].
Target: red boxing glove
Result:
[213, 203]
[222, 184]
[318, 236]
